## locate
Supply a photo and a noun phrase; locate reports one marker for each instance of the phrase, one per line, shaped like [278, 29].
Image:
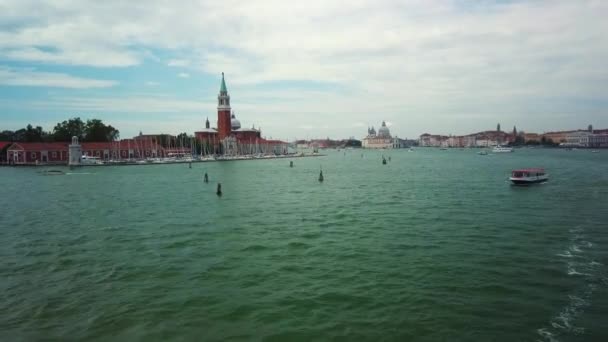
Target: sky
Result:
[307, 69]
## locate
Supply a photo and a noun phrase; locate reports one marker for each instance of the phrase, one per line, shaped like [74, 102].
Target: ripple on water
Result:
[589, 272]
[416, 250]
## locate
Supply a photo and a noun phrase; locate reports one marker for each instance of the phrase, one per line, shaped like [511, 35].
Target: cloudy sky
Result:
[312, 68]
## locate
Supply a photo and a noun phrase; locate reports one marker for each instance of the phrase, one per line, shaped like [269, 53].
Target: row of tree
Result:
[91, 130]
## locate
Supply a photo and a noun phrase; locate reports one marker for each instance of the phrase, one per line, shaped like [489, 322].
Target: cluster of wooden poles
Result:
[219, 185]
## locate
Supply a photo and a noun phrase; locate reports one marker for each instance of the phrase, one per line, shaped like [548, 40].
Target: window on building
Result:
[54, 154]
[33, 155]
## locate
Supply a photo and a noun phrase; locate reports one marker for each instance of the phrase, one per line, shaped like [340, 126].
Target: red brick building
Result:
[33, 153]
[229, 137]
[58, 152]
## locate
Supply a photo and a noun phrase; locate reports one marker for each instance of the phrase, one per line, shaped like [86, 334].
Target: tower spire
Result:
[223, 111]
[223, 86]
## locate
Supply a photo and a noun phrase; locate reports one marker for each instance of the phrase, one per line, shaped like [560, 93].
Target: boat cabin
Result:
[524, 173]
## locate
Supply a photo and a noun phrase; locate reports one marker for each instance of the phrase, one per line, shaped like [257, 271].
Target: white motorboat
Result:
[90, 160]
[502, 149]
[528, 176]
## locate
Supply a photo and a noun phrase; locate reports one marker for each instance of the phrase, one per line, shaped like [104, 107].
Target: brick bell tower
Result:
[223, 111]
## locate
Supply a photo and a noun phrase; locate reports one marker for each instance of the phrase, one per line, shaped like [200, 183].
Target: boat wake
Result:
[578, 264]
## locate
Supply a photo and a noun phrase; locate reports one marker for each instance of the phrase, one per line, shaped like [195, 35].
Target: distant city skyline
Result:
[306, 70]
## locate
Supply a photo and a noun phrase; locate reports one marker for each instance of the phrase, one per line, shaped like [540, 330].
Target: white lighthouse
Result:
[75, 154]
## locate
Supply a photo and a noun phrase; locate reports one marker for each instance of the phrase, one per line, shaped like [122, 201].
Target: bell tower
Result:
[223, 111]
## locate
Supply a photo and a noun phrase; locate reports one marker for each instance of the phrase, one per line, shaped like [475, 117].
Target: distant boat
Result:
[528, 176]
[410, 150]
[483, 153]
[53, 172]
[502, 149]
[443, 149]
[90, 160]
[594, 151]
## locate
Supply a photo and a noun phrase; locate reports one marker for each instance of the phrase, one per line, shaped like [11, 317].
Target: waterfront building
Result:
[557, 137]
[585, 139]
[382, 139]
[532, 137]
[33, 153]
[58, 152]
[480, 139]
[230, 138]
[4, 145]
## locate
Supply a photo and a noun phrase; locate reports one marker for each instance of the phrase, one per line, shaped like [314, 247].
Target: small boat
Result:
[528, 176]
[483, 153]
[410, 150]
[53, 172]
[594, 151]
[90, 160]
[502, 149]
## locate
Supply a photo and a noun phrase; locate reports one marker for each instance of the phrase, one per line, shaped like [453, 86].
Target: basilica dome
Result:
[383, 131]
[234, 123]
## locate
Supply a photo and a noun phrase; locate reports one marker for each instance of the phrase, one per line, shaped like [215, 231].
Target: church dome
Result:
[384, 131]
[235, 123]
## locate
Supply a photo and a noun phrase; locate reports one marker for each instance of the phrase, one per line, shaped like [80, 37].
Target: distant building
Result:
[557, 137]
[229, 138]
[382, 139]
[480, 139]
[4, 145]
[531, 137]
[585, 139]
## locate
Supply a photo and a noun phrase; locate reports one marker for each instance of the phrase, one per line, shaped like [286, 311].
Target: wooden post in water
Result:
[219, 189]
[206, 178]
[321, 176]
[291, 163]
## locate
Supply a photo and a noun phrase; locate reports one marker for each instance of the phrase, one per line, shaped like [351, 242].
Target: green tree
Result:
[7, 135]
[64, 131]
[96, 130]
[34, 134]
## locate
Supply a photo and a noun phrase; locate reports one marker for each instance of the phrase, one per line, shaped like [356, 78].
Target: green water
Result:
[433, 246]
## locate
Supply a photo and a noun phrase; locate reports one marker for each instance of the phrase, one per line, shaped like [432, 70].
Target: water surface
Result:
[435, 245]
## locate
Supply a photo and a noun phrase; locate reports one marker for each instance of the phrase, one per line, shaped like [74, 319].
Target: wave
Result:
[585, 268]
[254, 248]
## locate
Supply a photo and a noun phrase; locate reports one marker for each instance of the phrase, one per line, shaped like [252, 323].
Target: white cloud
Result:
[178, 63]
[96, 57]
[33, 78]
[183, 75]
[424, 65]
[152, 84]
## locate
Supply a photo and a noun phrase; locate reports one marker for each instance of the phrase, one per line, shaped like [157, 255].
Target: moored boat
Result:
[528, 176]
[90, 160]
[502, 149]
